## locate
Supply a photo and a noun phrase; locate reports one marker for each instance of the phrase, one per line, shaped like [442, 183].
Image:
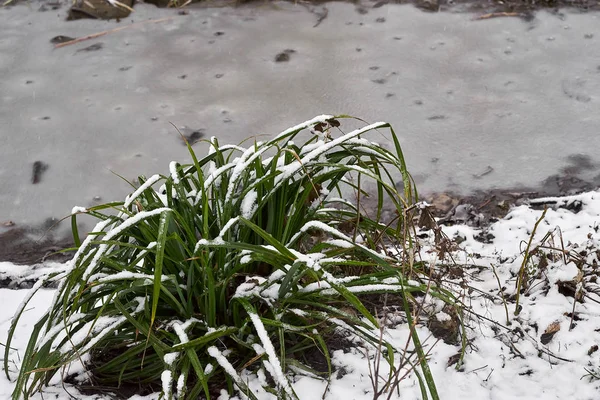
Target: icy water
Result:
[477, 104]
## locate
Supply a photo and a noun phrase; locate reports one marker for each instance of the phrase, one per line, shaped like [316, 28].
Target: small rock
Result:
[442, 202]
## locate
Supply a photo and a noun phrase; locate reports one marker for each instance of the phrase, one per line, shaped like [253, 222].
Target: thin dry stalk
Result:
[501, 294]
[99, 34]
[526, 257]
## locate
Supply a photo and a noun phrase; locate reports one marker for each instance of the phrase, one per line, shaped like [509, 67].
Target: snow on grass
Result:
[249, 204]
[275, 365]
[292, 168]
[151, 181]
[103, 248]
[503, 360]
[304, 125]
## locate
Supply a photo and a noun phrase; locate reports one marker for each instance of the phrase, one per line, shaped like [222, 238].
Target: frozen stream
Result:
[515, 96]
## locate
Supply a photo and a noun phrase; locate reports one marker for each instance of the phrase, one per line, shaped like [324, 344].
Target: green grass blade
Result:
[160, 253]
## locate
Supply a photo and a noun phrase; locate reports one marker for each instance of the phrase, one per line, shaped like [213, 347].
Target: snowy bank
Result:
[546, 351]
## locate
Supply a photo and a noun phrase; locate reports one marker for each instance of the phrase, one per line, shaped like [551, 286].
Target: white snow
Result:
[276, 370]
[151, 181]
[117, 230]
[249, 204]
[295, 166]
[167, 381]
[315, 120]
[224, 363]
[174, 173]
[503, 360]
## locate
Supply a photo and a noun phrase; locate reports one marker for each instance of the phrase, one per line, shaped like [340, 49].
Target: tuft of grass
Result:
[244, 259]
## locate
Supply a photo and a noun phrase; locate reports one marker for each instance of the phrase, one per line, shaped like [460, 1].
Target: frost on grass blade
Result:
[277, 371]
[116, 231]
[180, 329]
[319, 226]
[213, 179]
[58, 329]
[304, 125]
[180, 386]
[225, 364]
[27, 298]
[241, 165]
[167, 383]
[78, 210]
[151, 181]
[250, 288]
[379, 288]
[295, 166]
[174, 173]
[344, 244]
[92, 330]
[311, 260]
[97, 330]
[249, 204]
[127, 275]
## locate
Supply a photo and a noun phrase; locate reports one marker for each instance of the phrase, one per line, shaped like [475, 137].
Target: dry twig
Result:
[497, 14]
[98, 34]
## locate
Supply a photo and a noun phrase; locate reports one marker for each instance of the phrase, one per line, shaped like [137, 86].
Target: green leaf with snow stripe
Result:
[160, 253]
[269, 239]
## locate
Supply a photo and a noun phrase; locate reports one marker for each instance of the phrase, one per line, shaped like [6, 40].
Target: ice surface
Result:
[466, 94]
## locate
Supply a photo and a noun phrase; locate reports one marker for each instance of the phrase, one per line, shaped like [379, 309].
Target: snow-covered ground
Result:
[543, 353]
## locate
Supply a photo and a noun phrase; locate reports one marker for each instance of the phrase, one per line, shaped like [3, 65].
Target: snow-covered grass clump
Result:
[247, 261]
